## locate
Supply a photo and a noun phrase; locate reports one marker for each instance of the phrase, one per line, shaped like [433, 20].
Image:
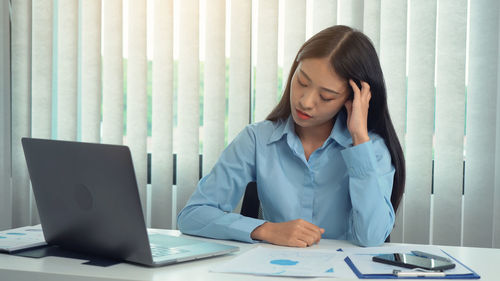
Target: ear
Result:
[348, 107]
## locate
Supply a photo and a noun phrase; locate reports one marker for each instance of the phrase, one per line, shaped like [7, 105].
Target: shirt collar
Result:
[282, 128]
[339, 133]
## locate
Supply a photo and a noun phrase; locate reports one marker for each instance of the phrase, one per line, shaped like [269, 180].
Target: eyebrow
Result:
[323, 88]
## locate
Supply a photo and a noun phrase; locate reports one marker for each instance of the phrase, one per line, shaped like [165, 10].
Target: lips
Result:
[303, 115]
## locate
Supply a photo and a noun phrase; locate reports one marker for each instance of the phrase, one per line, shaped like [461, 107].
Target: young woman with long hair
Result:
[327, 161]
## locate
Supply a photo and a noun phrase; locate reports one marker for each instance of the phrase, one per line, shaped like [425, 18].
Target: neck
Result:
[316, 134]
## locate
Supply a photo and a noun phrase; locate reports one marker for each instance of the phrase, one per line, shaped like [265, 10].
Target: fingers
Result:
[354, 86]
[348, 107]
[296, 233]
[355, 89]
[365, 86]
[365, 90]
[308, 233]
[362, 95]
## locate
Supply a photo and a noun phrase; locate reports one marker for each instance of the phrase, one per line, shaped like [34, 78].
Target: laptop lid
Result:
[87, 198]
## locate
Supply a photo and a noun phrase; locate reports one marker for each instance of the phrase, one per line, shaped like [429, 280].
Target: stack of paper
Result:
[279, 261]
[21, 238]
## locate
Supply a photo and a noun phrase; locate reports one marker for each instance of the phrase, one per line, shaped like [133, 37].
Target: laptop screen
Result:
[76, 186]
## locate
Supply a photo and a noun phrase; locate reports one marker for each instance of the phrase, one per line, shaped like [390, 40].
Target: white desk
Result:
[486, 262]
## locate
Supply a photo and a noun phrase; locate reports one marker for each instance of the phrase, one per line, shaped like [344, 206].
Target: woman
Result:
[327, 160]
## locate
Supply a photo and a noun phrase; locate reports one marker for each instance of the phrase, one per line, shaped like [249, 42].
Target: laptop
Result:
[88, 201]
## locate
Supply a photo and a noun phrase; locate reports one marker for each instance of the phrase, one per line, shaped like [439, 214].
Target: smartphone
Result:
[412, 261]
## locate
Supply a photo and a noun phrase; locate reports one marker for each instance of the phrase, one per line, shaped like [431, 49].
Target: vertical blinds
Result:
[137, 94]
[89, 71]
[162, 114]
[112, 72]
[21, 104]
[440, 61]
[188, 102]
[5, 122]
[480, 163]
[66, 70]
[449, 120]
[266, 84]
[420, 119]
[42, 81]
[393, 28]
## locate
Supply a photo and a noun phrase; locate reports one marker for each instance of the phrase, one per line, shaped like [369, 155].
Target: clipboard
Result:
[401, 273]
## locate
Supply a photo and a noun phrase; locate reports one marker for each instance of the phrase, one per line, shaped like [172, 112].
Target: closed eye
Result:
[324, 99]
[300, 83]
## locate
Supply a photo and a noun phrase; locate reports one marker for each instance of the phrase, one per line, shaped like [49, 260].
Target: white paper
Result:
[288, 262]
[21, 238]
[362, 258]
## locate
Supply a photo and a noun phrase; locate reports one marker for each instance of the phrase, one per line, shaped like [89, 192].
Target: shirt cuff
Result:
[245, 227]
[360, 159]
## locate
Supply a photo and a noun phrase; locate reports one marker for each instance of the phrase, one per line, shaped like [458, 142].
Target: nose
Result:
[308, 99]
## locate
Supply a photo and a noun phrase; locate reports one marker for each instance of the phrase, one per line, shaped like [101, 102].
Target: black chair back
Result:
[251, 202]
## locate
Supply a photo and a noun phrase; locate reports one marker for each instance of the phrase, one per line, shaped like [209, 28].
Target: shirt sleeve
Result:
[371, 176]
[208, 211]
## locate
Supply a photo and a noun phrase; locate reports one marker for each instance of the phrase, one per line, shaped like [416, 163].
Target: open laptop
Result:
[88, 201]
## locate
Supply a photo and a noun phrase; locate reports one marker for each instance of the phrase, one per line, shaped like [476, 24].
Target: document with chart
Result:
[21, 238]
[280, 261]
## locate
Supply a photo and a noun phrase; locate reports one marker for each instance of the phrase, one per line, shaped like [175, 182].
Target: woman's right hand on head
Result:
[296, 233]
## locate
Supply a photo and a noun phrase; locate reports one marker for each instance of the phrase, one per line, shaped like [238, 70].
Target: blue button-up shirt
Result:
[342, 188]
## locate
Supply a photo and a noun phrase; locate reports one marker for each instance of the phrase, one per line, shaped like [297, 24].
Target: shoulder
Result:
[264, 127]
[264, 131]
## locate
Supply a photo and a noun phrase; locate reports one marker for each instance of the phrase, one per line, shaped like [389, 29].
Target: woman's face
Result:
[317, 93]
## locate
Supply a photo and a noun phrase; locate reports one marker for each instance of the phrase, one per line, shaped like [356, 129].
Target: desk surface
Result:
[482, 260]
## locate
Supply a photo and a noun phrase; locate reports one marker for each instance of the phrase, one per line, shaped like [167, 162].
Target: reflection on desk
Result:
[483, 260]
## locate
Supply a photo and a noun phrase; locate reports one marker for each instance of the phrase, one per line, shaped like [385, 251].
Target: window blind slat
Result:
[481, 111]
[162, 123]
[5, 121]
[41, 77]
[67, 67]
[239, 67]
[324, 14]
[41, 71]
[21, 78]
[496, 210]
[420, 124]
[450, 119]
[188, 102]
[295, 33]
[266, 85]
[371, 22]
[90, 70]
[351, 13]
[112, 72]
[393, 60]
[137, 71]
[214, 102]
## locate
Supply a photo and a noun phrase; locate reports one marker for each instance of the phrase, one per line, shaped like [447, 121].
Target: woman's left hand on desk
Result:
[296, 233]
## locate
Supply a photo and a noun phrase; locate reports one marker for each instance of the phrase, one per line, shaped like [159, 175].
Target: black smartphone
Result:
[412, 261]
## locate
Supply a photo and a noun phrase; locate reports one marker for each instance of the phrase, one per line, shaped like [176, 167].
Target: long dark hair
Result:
[353, 56]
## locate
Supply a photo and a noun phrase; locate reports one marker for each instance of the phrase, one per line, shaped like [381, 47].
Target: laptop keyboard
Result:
[159, 251]
[166, 245]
